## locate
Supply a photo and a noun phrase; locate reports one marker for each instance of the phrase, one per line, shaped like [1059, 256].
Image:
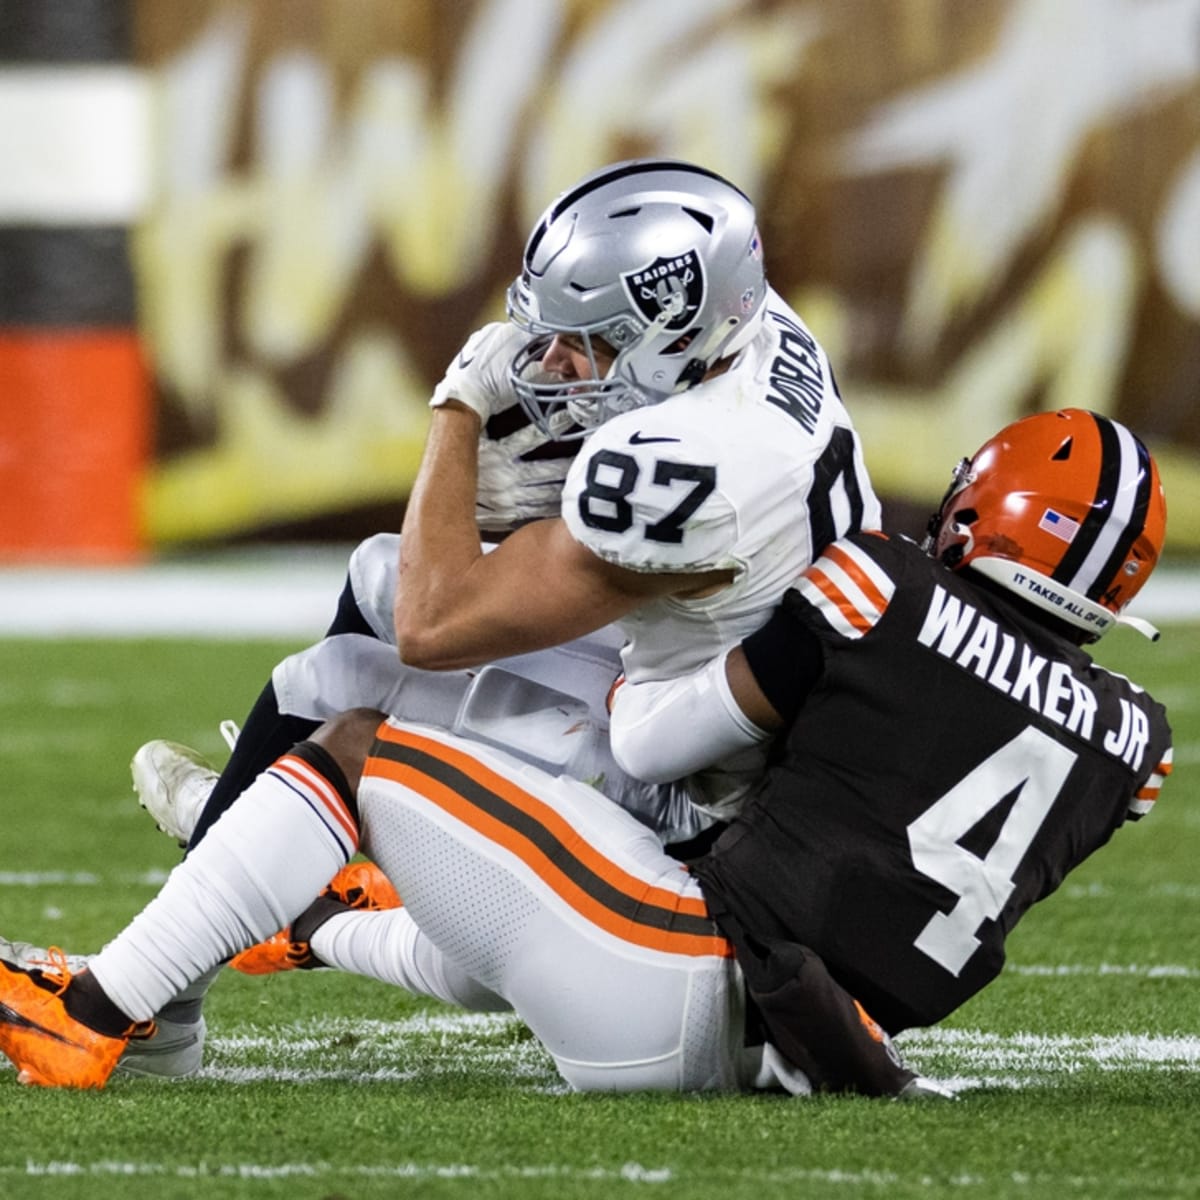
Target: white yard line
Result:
[884, 1181]
[29, 879]
[1055, 1052]
[1143, 970]
[397, 1050]
[629, 1173]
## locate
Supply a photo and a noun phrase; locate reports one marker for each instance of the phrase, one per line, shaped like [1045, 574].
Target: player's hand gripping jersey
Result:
[521, 470]
[903, 848]
[753, 470]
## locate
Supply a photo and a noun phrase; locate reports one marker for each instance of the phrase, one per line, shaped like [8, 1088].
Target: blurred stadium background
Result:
[239, 241]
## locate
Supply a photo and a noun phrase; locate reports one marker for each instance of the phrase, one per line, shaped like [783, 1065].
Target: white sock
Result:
[262, 863]
[389, 947]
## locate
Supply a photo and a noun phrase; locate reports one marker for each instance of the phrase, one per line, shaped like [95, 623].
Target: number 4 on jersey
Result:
[1035, 767]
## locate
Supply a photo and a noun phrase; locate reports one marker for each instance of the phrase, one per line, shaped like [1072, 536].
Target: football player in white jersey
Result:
[718, 454]
[644, 292]
[718, 457]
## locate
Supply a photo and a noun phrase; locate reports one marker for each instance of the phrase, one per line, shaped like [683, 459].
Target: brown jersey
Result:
[954, 762]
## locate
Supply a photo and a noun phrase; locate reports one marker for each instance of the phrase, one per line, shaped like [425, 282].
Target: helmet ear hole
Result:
[681, 343]
[956, 524]
[1063, 452]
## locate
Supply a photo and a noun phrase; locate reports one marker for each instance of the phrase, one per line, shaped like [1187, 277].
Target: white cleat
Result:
[172, 783]
[921, 1089]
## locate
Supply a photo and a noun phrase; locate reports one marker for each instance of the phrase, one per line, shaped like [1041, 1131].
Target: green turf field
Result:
[1079, 1068]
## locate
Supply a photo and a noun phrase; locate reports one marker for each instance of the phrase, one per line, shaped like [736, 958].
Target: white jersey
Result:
[754, 470]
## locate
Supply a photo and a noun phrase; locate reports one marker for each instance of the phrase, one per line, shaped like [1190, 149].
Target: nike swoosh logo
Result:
[638, 440]
[464, 363]
[9, 1016]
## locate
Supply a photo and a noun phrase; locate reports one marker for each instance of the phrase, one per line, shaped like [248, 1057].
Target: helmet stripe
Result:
[1116, 516]
[1137, 521]
[1099, 510]
[621, 171]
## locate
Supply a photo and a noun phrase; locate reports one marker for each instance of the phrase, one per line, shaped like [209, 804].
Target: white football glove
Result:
[521, 471]
[513, 489]
[478, 376]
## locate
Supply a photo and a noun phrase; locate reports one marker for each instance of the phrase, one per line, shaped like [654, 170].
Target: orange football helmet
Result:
[1066, 509]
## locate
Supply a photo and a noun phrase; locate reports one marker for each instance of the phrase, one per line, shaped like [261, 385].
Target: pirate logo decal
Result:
[673, 286]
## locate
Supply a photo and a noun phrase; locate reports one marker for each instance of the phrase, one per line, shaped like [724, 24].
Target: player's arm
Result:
[458, 607]
[666, 729]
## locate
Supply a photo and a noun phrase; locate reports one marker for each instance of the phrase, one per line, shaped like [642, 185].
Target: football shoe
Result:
[174, 1050]
[172, 783]
[48, 1046]
[358, 886]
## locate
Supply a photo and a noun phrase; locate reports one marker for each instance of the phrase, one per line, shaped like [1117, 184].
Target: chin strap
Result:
[1043, 592]
[1065, 603]
[1144, 627]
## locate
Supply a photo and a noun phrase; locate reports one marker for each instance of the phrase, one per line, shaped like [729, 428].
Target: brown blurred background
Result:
[302, 207]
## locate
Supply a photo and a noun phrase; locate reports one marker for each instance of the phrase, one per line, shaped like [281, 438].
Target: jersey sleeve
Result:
[1144, 798]
[650, 497]
[846, 591]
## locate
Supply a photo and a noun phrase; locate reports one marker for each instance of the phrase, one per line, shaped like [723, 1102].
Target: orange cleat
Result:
[363, 885]
[277, 953]
[46, 1044]
[358, 885]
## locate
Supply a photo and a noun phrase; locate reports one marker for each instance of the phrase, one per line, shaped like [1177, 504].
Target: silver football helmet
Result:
[661, 260]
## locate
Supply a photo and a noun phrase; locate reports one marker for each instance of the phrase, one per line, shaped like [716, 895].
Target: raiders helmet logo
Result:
[672, 285]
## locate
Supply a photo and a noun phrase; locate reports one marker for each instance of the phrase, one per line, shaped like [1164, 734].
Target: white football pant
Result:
[564, 906]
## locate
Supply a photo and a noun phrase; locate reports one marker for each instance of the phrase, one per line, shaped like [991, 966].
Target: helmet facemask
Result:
[948, 531]
[570, 409]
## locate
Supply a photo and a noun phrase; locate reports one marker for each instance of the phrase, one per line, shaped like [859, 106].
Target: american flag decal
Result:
[1059, 525]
